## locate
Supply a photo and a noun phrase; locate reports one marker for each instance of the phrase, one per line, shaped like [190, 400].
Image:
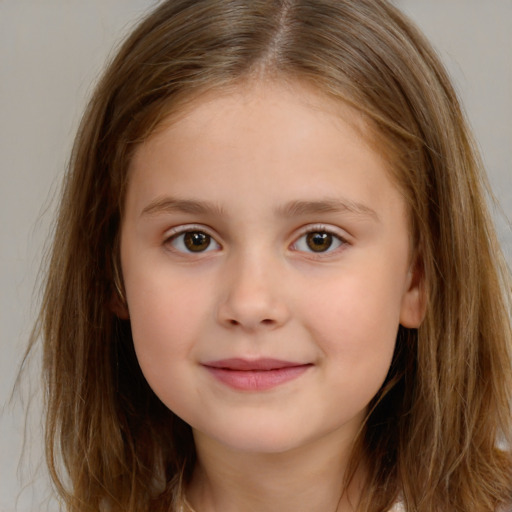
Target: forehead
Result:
[284, 138]
[255, 92]
[264, 101]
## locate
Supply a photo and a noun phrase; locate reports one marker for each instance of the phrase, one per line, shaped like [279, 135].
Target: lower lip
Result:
[257, 380]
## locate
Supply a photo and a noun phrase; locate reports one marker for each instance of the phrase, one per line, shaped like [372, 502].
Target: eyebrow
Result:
[292, 209]
[171, 205]
[328, 205]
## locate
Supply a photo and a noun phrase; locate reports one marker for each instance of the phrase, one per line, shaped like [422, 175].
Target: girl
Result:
[275, 285]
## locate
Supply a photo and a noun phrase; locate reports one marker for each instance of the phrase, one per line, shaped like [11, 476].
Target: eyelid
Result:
[184, 228]
[327, 228]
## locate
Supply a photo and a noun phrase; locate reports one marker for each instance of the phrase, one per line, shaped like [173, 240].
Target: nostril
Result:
[265, 321]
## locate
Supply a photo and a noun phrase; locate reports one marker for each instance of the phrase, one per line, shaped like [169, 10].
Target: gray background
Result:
[51, 52]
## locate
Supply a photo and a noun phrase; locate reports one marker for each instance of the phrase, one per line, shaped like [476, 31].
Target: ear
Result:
[414, 300]
[118, 306]
[117, 303]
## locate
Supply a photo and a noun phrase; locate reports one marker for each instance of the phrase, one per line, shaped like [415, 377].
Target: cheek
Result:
[165, 316]
[356, 331]
[355, 316]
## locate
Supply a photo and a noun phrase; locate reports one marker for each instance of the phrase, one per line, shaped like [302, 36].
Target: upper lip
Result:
[240, 364]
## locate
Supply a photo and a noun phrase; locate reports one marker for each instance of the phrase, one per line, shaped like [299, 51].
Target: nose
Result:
[253, 296]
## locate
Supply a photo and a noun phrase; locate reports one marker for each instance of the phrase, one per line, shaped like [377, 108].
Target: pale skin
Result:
[302, 254]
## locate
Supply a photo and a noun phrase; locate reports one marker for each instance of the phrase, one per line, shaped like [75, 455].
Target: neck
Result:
[309, 478]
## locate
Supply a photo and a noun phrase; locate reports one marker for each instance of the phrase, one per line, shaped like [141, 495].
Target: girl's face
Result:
[266, 259]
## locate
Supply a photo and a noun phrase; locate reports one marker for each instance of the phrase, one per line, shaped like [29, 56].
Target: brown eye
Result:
[196, 241]
[319, 241]
[193, 242]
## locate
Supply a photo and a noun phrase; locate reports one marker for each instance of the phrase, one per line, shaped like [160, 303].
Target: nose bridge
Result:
[253, 291]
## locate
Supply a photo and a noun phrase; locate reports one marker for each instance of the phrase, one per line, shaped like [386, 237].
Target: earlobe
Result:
[414, 300]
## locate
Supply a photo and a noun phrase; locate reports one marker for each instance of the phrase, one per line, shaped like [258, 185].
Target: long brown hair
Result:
[438, 432]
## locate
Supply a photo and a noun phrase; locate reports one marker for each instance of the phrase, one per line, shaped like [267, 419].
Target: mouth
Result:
[255, 375]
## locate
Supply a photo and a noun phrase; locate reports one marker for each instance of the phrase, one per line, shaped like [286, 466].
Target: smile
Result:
[255, 375]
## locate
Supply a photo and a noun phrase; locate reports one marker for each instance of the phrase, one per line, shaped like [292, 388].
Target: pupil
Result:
[319, 242]
[196, 241]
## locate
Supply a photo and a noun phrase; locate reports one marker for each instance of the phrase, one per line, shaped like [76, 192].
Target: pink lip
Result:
[255, 375]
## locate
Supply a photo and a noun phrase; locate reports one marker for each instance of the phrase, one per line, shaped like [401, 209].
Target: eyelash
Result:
[178, 237]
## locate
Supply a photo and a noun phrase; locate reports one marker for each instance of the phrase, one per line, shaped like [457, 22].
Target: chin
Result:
[260, 439]
[261, 445]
